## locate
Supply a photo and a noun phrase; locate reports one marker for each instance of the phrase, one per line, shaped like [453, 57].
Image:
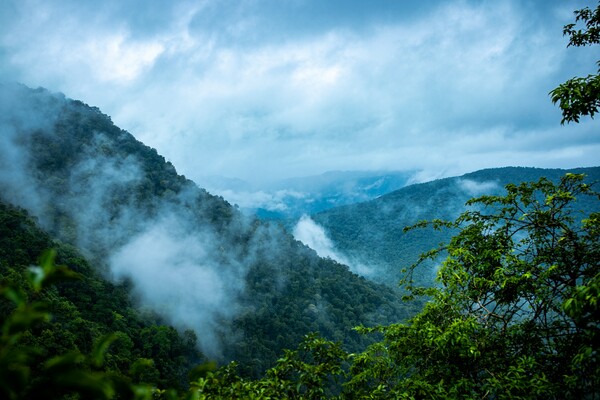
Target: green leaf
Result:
[101, 347]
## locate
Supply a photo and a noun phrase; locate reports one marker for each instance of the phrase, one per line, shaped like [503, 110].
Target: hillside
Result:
[246, 288]
[371, 233]
[84, 310]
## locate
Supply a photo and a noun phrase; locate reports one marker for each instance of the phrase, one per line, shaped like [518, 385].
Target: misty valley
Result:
[119, 275]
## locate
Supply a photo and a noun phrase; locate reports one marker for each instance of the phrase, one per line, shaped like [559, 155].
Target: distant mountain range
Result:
[291, 198]
[371, 235]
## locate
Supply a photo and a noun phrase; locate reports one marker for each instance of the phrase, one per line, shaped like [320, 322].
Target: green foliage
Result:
[48, 311]
[77, 314]
[316, 296]
[310, 372]
[515, 312]
[374, 233]
[514, 316]
[47, 273]
[580, 96]
[70, 372]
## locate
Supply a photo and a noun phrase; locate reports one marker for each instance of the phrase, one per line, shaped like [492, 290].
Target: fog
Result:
[474, 188]
[176, 274]
[189, 274]
[314, 236]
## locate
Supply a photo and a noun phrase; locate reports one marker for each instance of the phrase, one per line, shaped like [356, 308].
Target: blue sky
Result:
[263, 90]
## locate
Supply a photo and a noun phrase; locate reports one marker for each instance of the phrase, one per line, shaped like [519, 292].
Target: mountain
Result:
[245, 287]
[371, 233]
[294, 197]
[83, 311]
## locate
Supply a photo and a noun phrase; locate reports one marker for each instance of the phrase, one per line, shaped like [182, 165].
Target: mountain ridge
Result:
[372, 232]
[246, 287]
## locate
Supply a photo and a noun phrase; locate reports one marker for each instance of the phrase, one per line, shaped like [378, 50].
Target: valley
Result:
[170, 276]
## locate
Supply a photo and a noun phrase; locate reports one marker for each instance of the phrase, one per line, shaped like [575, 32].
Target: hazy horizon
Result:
[262, 91]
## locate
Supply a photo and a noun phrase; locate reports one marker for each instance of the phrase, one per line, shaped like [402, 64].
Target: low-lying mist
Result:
[104, 200]
[190, 256]
[178, 274]
[314, 236]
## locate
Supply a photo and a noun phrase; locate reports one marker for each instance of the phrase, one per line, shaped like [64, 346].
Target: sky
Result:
[262, 90]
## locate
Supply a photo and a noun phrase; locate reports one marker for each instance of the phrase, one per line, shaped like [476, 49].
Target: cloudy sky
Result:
[269, 89]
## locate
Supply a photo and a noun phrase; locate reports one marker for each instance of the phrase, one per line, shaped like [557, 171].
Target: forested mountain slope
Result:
[86, 309]
[246, 288]
[372, 232]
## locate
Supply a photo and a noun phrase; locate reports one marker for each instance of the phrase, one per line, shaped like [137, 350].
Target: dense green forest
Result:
[373, 232]
[83, 310]
[246, 288]
[514, 312]
[514, 315]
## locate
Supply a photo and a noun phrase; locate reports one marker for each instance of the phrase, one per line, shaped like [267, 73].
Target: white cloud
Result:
[176, 274]
[458, 87]
[272, 201]
[314, 236]
[115, 58]
[474, 188]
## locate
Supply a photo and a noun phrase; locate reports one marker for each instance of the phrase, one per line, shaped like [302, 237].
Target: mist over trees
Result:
[103, 246]
[372, 233]
[246, 288]
[46, 316]
[514, 314]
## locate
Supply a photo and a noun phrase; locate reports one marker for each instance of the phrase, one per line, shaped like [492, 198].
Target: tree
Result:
[515, 313]
[60, 376]
[580, 95]
[310, 372]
